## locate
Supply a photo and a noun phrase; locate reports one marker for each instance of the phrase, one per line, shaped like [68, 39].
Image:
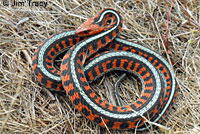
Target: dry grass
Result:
[27, 107]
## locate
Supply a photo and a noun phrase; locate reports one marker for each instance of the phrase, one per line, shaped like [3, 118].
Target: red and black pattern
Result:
[155, 62]
[109, 64]
[97, 38]
[57, 47]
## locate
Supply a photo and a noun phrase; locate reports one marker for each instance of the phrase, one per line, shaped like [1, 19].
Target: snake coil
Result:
[156, 75]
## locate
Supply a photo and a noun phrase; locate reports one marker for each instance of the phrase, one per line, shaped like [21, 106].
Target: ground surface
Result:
[27, 107]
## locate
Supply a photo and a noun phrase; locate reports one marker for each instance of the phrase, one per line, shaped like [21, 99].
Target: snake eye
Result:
[86, 31]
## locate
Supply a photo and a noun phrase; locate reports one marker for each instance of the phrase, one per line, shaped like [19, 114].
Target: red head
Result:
[97, 24]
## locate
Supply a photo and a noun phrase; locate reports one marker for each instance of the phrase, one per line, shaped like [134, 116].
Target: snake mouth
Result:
[89, 28]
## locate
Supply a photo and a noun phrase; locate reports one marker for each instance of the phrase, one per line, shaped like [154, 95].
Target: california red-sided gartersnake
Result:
[155, 73]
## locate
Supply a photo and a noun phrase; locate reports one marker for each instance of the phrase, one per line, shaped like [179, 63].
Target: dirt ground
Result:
[28, 107]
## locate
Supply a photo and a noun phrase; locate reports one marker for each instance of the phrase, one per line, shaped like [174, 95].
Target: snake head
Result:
[104, 20]
[89, 28]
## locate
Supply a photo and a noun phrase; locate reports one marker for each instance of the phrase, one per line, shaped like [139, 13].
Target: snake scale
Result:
[94, 49]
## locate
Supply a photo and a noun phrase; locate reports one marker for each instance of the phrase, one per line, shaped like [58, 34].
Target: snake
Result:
[94, 49]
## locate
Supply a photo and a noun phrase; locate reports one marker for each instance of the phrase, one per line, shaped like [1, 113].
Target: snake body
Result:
[155, 73]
